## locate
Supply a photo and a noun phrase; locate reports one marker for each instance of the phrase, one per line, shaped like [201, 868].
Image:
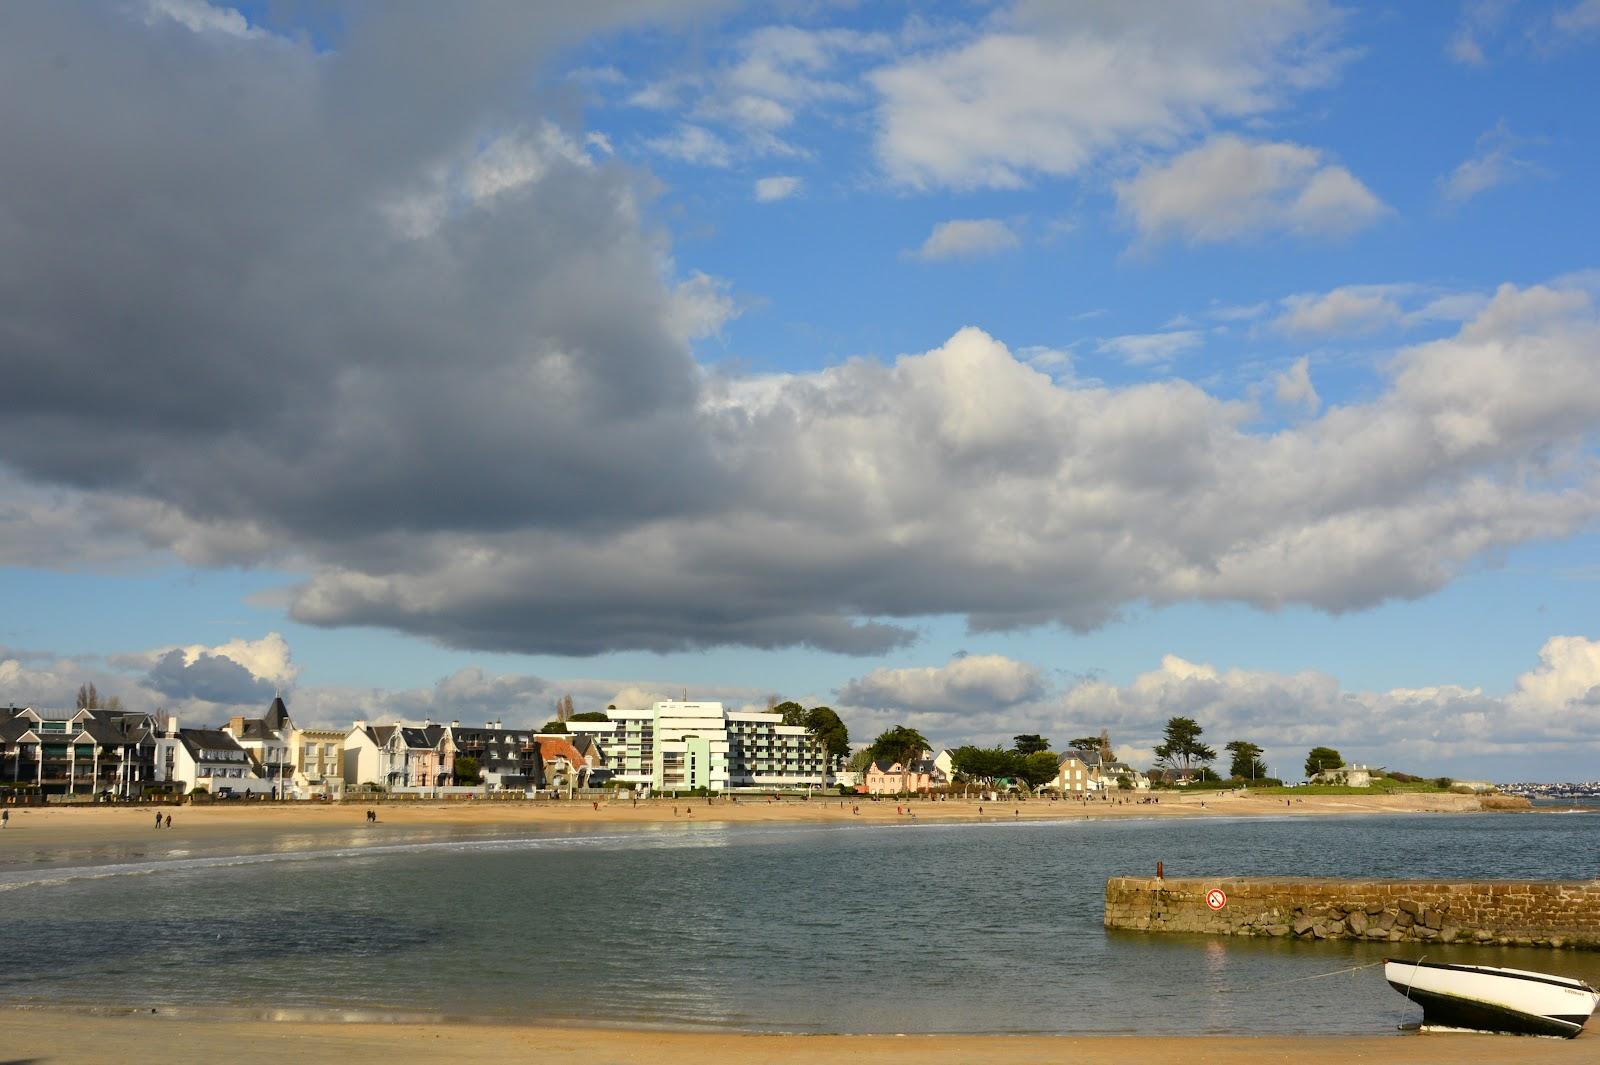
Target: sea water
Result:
[910, 927]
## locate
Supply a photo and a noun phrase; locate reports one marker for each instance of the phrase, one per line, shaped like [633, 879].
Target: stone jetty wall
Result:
[1519, 912]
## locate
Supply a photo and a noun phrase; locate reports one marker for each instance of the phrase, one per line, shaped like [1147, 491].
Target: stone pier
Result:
[1509, 912]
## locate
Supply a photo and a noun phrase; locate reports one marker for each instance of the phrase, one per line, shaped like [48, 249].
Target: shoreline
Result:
[59, 1036]
[67, 821]
[50, 837]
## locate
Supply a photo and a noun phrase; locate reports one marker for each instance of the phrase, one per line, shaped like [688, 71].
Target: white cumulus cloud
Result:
[1049, 88]
[1152, 349]
[1493, 163]
[1230, 189]
[967, 239]
[773, 189]
[969, 683]
[1293, 387]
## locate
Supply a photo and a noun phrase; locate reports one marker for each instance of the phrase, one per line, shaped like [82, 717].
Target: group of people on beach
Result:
[159, 820]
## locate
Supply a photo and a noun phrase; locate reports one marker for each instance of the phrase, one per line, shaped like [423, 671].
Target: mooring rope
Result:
[1340, 972]
[1302, 979]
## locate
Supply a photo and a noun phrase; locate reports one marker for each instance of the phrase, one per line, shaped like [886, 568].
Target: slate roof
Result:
[421, 737]
[513, 736]
[106, 727]
[57, 713]
[277, 715]
[1088, 758]
[206, 743]
[257, 729]
[921, 765]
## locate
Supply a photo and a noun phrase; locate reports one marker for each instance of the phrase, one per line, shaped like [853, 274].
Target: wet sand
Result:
[68, 1039]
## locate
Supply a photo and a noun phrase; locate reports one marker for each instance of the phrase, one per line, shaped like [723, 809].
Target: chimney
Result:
[497, 724]
[358, 724]
[427, 721]
[172, 725]
[455, 724]
[236, 724]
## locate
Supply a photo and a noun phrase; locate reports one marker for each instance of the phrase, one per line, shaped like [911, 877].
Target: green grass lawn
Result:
[1380, 786]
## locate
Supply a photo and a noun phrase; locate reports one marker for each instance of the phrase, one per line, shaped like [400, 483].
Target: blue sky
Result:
[987, 367]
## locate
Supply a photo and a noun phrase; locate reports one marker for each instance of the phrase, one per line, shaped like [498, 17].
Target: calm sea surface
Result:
[903, 928]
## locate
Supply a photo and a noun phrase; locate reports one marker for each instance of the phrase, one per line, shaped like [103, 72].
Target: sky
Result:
[985, 368]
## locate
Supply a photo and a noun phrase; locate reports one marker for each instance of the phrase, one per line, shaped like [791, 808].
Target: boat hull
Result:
[1447, 1011]
[1487, 999]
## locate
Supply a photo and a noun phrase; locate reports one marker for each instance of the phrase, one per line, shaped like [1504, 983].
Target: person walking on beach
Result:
[169, 820]
[158, 818]
[5, 818]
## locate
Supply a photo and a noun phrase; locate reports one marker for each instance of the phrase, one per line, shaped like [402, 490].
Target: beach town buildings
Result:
[397, 756]
[521, 759]
[1350, 776]
[685, 746]
[318, 763]
[564, 765]
[508, 759]
[1079, 773]
[1114, 773]
[210, 760]
[295, 762]
[894, 778]
[78, 752]
[423, 756]
[269, 741]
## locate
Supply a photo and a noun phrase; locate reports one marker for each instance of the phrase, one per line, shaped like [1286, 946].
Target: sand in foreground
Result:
[70, 1039]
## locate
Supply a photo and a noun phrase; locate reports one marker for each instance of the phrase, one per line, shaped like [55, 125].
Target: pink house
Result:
[893, 778]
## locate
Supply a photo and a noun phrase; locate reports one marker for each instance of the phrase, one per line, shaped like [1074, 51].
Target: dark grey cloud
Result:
[209, 678]
[208, 272]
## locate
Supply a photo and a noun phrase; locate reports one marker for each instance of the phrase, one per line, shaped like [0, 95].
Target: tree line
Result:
[1182, 751]
[1029, 759]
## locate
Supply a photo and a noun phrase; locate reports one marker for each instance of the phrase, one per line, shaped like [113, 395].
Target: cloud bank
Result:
[1549, 719]
[442, 368]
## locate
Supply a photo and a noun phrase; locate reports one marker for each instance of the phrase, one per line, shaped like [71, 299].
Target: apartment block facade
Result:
[682, 746]
[78, 752]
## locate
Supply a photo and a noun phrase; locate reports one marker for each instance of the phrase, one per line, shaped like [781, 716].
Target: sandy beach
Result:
[221, 821]
[60, 1038]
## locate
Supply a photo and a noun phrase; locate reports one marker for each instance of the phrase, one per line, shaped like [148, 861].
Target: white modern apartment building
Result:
[680, 746]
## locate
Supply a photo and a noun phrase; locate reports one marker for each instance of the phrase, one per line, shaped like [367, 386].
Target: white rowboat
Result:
[1488, 999]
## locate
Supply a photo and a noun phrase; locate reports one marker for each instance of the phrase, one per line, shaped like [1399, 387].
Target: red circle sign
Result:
[1216, 898]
